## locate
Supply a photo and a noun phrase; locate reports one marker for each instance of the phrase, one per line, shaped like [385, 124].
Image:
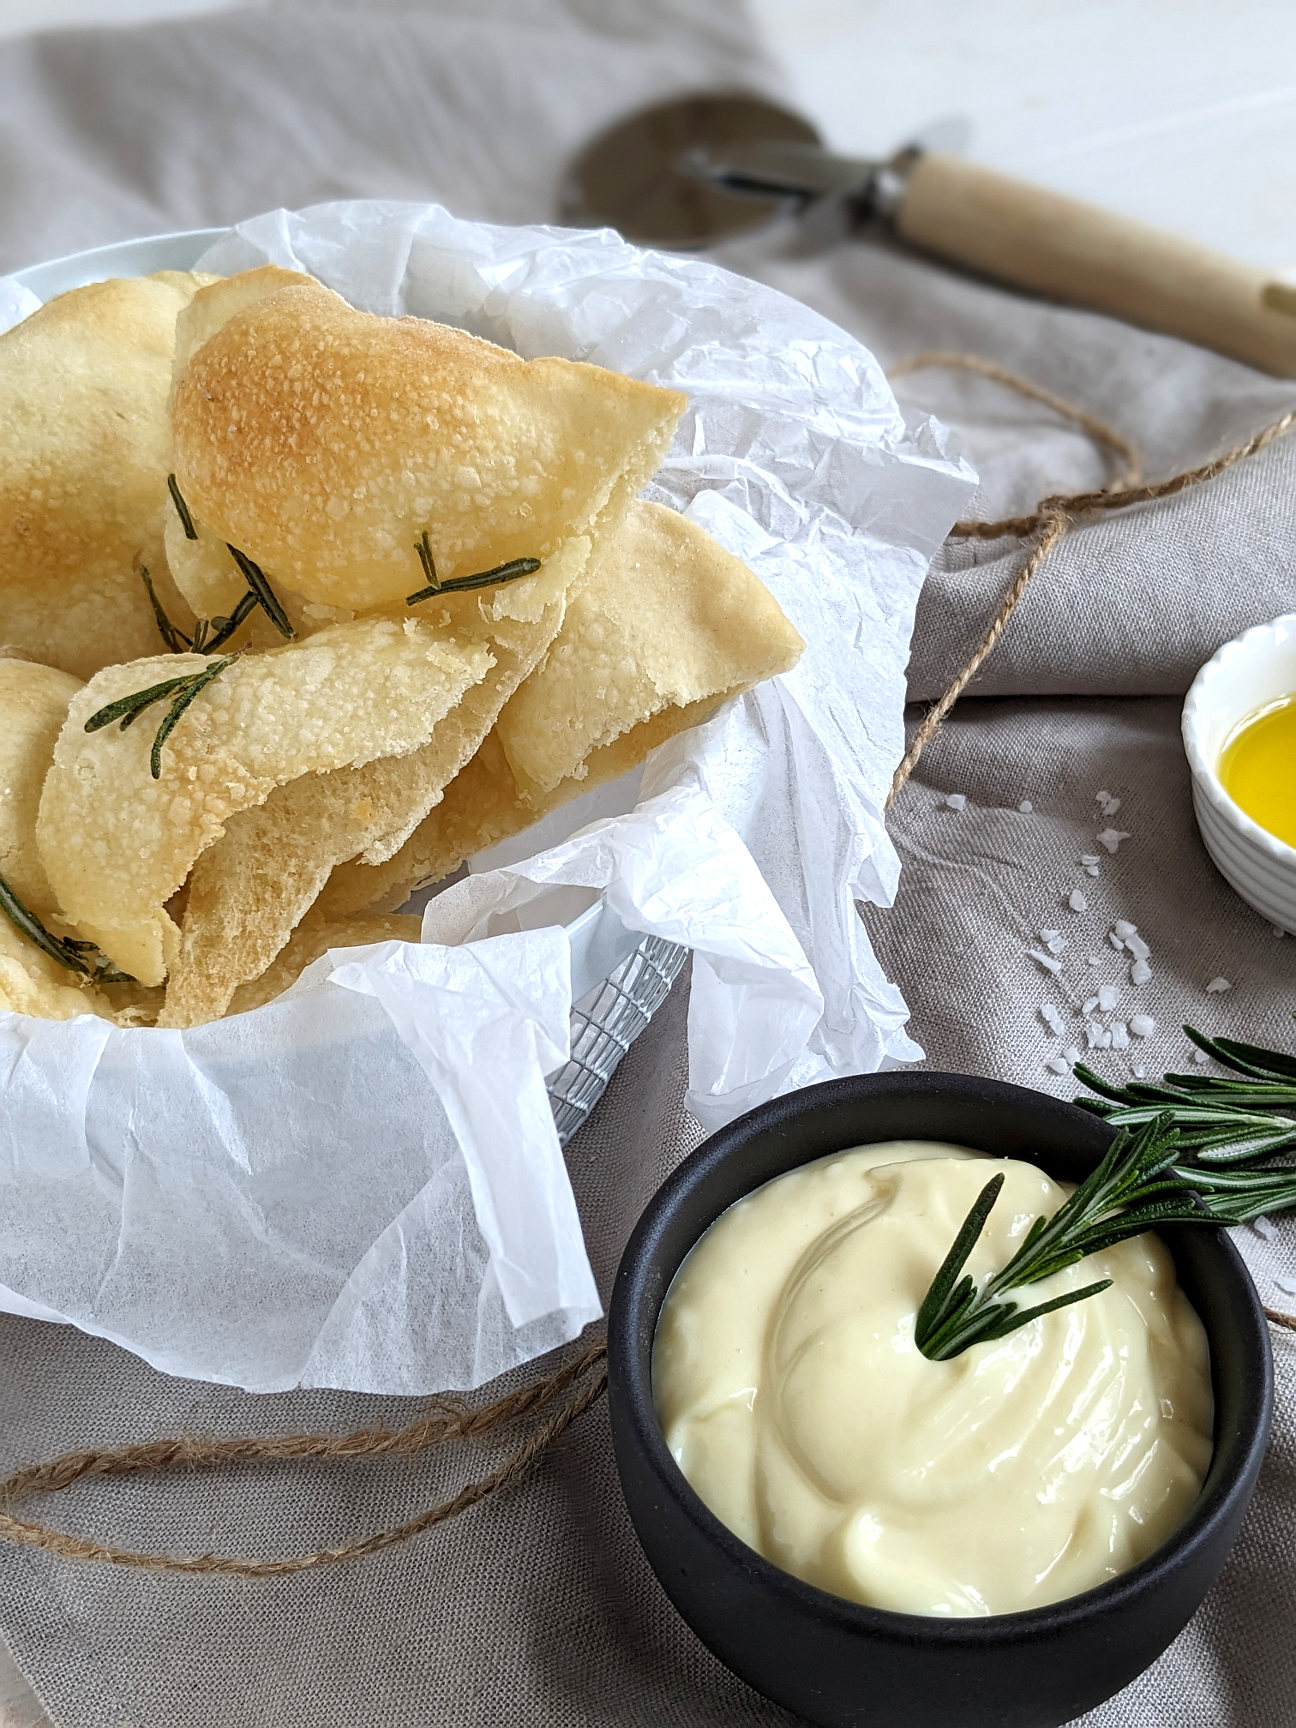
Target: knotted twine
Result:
[581, 1381]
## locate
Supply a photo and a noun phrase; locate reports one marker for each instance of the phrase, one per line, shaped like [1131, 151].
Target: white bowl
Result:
[1249, 673]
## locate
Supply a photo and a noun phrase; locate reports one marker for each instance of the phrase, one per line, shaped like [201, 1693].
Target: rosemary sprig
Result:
[458, 584]
[210, 633]
[265, 594]
[176, 640]
[181, 691]
[66, 950]
[1220, 1121]
[1135, 1188]
[182, 509]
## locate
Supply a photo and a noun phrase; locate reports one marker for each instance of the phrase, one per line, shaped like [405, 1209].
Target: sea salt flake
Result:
[1076, 901]
[1137, 947]
[1140, 972]
[956, 801]
[1051, 1018]
[1072, 1054]
[1091, 1006]
[1056, 944]
[1264, 1227]
[1046, 961]
[1106, 803]
[1124, 929]
[1093, 1035]
[1115, 940]
[1112, 837]
[1025, 806]
[1107, 998]
[1278, 931]
[1095, 959]
[1200, 1056]
[1058, 1065]
[1091, 869]
[1139, 1073]
[1087, 858]
[1119, 1035]
[1142, 1025]
[1217, 986]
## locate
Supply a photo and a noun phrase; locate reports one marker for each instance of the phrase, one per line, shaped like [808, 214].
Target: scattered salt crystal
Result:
[1091, 1006]
[956, 801]
[1115, 940]
[1119, 1035]
[1278, 931]
[1112, 837]
[1058, 1064]
[1139, 1073]
[1051, 1018]
[1025, 806]
[1046, 961]
[1217, 986]
[1076, 901]
[1056, 944]
[1200, 1056]
[1106, 803]
[1093, 1035]
[1264, 1227]
[1137, 947]
[1142, 1025]
[1072, 1054]
[1090, 858]
[1095, 959]
[1286, 1285]
[1107, 998]
[1046, 935]
[1091, 869]
[1140, 972]
[1124, 929]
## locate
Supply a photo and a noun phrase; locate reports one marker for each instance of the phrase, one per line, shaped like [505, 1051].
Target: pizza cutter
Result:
[696, 170]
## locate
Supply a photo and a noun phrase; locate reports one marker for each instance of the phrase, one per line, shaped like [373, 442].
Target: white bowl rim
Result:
[1204, 774]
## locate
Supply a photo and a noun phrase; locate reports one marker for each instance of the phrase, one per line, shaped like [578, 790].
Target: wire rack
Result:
[605, 1023]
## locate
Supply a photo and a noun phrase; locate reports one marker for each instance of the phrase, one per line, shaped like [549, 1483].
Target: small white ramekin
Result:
[1248, 673]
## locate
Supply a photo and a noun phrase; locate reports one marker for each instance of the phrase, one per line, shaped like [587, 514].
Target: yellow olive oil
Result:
[1258, 768]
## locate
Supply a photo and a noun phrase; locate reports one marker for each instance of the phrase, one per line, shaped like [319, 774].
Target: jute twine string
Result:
[1054, 516]
[581, 1381]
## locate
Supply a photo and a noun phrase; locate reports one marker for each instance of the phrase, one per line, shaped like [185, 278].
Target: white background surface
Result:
[1180, 112]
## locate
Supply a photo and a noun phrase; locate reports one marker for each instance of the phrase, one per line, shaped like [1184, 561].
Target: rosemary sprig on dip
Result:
[1132, 1190]
[181, 691]
[66, 950]
[458, 584]
[1153, 1176]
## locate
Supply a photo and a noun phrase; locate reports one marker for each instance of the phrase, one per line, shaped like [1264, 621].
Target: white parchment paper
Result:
[360, 1184]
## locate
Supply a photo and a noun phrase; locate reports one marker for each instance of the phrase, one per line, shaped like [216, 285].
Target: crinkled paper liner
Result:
[360, 1185]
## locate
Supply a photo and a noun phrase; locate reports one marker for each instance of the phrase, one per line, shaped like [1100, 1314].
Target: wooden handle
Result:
[1072, 251]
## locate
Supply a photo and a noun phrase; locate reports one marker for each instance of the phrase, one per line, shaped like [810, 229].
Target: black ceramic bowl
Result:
[847, 1666]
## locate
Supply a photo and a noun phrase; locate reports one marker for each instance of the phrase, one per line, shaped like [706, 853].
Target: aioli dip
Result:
[796, 1403]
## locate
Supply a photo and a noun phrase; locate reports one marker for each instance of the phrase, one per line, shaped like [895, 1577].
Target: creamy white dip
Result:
[796, 1402]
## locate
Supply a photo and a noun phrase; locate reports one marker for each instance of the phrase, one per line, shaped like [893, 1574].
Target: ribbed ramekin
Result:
[1249, 673]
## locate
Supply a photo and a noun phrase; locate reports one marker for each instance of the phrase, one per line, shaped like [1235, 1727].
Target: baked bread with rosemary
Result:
[417, 604]
[667, 626]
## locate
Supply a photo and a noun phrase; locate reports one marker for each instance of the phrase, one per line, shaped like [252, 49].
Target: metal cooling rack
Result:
[605, 1023]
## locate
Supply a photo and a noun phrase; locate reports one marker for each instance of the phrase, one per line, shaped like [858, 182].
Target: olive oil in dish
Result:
[1257, 768]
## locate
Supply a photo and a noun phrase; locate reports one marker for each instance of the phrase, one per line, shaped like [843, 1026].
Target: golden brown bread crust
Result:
[324, 442]
[85, 444]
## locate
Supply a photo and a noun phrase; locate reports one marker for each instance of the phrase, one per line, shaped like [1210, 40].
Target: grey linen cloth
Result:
[538, 1608]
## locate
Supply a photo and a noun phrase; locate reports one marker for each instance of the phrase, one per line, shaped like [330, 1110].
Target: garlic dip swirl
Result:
[795, 1401]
